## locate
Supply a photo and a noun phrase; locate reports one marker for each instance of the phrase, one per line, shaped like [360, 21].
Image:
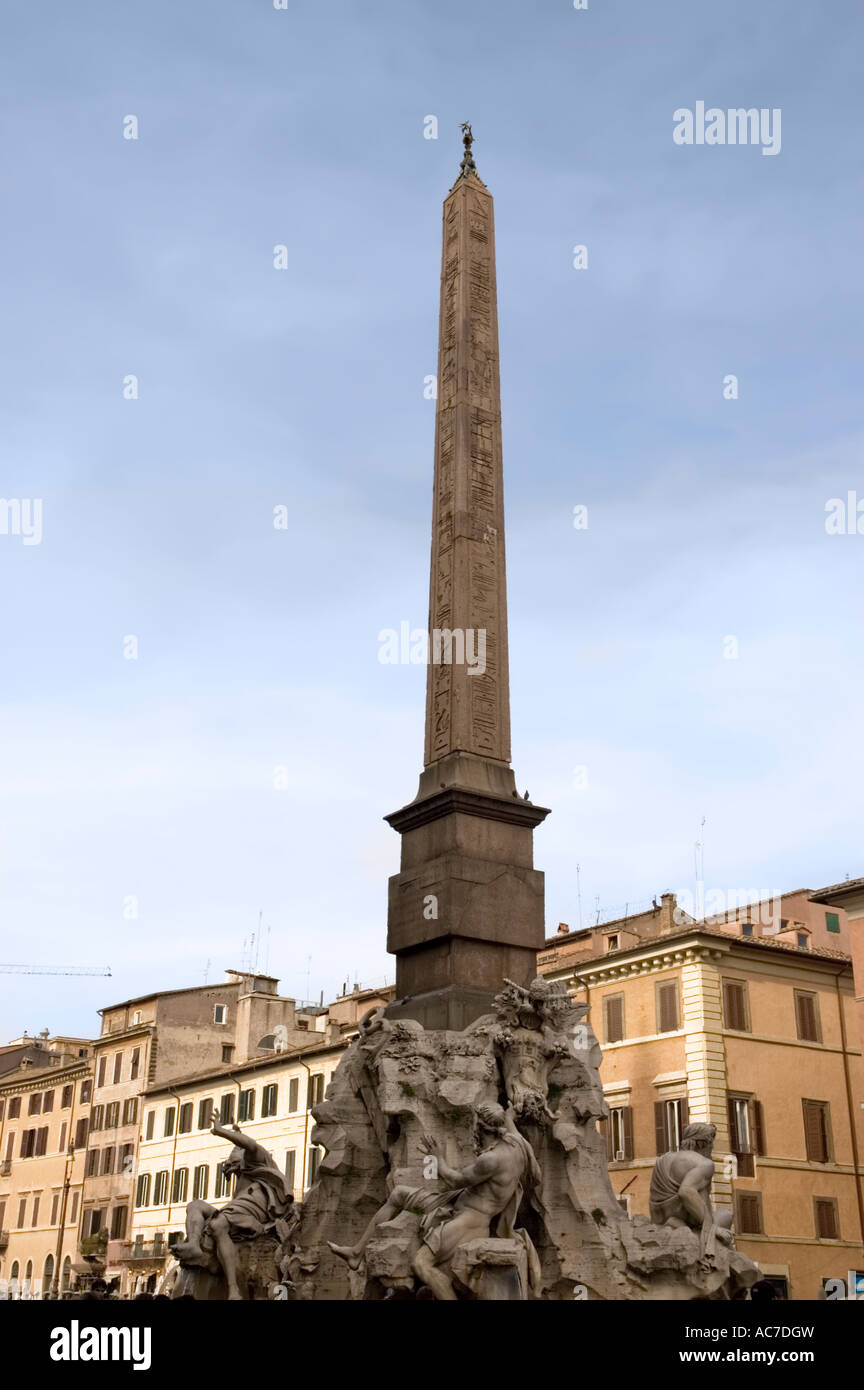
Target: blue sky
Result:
[153, 779]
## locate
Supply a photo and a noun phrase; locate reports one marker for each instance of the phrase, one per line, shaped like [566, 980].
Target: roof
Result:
[231, 1070]
[849, 885]
[657, 943]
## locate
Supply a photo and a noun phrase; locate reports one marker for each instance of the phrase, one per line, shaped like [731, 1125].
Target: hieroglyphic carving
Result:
[465, 711]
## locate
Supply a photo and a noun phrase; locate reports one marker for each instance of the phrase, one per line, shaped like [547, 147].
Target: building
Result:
[45, 1101]
[746, 1021]
[269, 1095]
[849, 897]
[147, 1043]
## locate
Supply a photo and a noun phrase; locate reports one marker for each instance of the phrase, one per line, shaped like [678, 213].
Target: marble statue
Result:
[261, 1205]
[461, 1205]
[680, 1193]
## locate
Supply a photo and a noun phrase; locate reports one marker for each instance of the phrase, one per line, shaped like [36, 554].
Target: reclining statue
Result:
[261, 1205]
[680, 1193]
[464, 1208]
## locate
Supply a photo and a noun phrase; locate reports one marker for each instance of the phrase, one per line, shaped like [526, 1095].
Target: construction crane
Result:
[54, 970]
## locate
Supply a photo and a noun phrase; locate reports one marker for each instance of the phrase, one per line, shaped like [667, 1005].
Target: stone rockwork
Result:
[425, 1136]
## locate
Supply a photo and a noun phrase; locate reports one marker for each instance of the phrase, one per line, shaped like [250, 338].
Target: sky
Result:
[196, 726]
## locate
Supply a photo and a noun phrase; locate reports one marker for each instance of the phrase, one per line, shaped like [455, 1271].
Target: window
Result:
[205, 1113]
[47, 1102]
[748, 1206]
[226, 1108]
[223, 1181]
[803, 941]
[168, 1125]
[130, 1110]
[666, 1002]
[41, 1141]
[151, 1120]
[73, 1215]
[100, 1075]
[135, 1064]
[160, 1188]
[293, 1095]
[314, 1161]
[825, 1220]
[619, 1133]
[612, 942]
[832, 921]
[93, 1221]
[746, 928]
[180, 1185]
[784, 924]
[227, 1052]
[107, 1160]
[66, 1097]
[269, 1100]
[220, 1013]
[136, 1017]
[125, 1157]
[142, 1190]
[10, 1146]
[35, 1218]
[613, 1017]
[22, 1212]
[112, 1115]
[746, 1132]
[97, 1118]
[202, 1181]
[736, 1014]
[817, 1130]
[91, 1163]
[290, 1167]
[185, 1122]
[807, 1016]
[61, 1145]
[118, 1066]
[670, 1121]
[86, 1092]
[81, 1134]
[119, 1217]
[14, 1107]
[34, 1104]
[55, 1207]
[315, 1089]
[28, 1143]
[246, 1105]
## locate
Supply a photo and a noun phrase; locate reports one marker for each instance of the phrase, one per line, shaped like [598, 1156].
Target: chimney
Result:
[563, 929]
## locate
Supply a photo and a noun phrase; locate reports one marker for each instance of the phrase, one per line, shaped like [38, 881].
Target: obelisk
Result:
[466, 910]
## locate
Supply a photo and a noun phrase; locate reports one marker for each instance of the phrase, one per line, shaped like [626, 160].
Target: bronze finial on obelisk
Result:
[467, 907]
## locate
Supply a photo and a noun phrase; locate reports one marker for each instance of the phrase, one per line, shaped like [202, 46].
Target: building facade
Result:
[45, 1103]
[748, 1023]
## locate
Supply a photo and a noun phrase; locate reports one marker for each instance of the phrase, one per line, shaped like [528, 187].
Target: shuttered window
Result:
[180, 1185]
[670, 1121]
[832, 921]
[746, 1132]
[619, 1134]
[185, 1120]
[807, 1016]
[817, 1131]
[613, 1017]
[290, 1167]
[667, 1007]
[142, 1192]
[246, 1105]
[293, 1095]
[749, 1213]
[205, 1113]
[735, 1011]
[202, 1181]
[825, 1218]
[269, 1100]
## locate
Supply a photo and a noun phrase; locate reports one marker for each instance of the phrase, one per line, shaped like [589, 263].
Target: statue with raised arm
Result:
[461, 1204]
[680, 1193]
[261, 1204]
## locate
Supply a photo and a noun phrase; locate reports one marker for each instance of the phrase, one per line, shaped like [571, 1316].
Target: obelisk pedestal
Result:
[467, 908]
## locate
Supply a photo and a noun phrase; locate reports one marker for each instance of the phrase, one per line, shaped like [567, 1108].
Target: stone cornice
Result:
[648, 962]
[463, 801]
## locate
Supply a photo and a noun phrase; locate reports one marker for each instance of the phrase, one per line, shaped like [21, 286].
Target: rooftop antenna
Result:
[207, 971]
[579, 894]
[258, 945]
[308, 972]
[699, 866]
[267, 962]
[597, 907]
